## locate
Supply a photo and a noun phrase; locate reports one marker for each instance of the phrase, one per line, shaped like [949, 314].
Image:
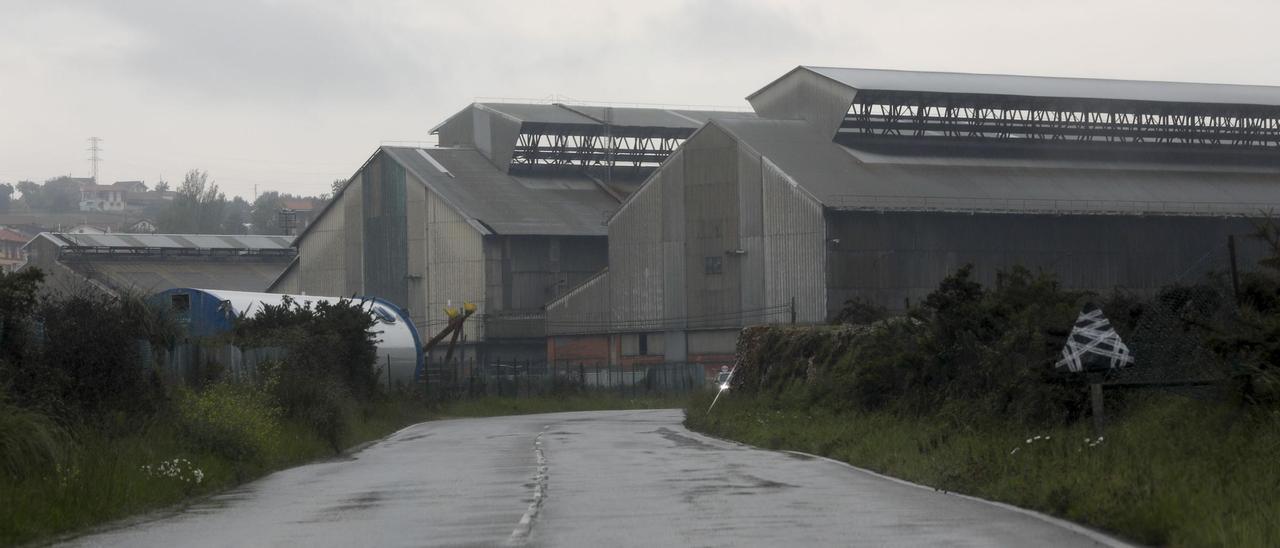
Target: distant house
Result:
[131, 187]
[149, 201]
[102, 198]
[300, 212]
[140, 226]
[150, 263]
[11, 242]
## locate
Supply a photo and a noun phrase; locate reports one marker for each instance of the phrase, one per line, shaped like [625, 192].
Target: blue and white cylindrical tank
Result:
[209, 312]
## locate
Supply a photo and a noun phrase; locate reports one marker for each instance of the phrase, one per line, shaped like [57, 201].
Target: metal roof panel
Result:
[173, 241]
[566, 205]
[836, 177]
[1052, 87]
[654, 117]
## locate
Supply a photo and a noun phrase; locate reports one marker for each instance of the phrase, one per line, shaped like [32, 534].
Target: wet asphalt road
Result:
[614, 478]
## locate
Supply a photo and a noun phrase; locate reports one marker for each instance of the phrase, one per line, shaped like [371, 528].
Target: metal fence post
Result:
[1099, 416]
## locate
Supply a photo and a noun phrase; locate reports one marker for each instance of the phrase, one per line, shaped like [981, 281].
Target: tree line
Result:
[198, 206]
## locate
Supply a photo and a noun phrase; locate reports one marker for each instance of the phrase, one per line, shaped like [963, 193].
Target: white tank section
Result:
[400, 355]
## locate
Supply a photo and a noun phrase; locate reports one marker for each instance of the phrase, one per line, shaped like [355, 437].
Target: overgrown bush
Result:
[860, 312]
[79, 356]
[329, 366]
[967, 352]
[1250, 341]
[236, 421]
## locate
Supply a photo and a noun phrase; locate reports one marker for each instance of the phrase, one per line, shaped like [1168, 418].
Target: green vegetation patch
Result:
[1169, 471]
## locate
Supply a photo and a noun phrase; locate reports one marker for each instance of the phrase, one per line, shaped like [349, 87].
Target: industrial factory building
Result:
[507, 213]
[149, 263]
[876, 184]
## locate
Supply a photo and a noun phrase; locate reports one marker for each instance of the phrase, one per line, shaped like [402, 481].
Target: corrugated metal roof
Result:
[563, 205]
[653, 117]
[13, 236]
[836, 177]
[171, 241]
[565, 114]
[1054, 87]
[153, 276]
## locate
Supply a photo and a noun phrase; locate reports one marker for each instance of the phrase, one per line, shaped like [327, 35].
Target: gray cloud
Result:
[288, 95]
[255, 50]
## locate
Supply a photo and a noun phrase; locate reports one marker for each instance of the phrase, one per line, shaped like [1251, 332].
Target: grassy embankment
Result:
[963, 395]
[99, 477]
[1171, 471]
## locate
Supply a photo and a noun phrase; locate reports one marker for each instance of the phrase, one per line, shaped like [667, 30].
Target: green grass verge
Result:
[104, 478]
[1170, 471]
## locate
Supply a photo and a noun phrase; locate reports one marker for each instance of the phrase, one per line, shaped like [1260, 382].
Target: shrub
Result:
[320, 402]
[79, 356]
[329, 367]
[974, 353]
[30, 442]
[858, 311]
[236, 421]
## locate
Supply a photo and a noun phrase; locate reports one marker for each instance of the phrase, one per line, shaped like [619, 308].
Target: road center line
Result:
[520, 534]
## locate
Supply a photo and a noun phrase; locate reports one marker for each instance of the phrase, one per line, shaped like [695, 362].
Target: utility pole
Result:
[94, 158]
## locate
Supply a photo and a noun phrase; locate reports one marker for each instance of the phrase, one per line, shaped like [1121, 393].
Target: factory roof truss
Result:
[556, 136]
[952, 107]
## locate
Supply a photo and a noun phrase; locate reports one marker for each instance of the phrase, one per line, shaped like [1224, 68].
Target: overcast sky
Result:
[289, 95]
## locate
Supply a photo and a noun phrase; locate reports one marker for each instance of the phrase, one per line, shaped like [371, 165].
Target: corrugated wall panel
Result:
[352, 209]
[497, 274]
[386, 248]
[459, 130]
[481, 131]
[751, 237]
[289, 283]
[416, 224]
[673, 260]
[321, 255]
[794, 242]
[635, 247]
[503, 135]
[711, 228]
[584, 309]
[455, 266]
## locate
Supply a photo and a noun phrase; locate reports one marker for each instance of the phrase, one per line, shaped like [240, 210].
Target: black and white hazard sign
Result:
[1094, 345]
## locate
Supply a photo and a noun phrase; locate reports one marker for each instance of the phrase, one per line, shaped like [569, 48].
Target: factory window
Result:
[180, 302]
[643, 344]
[712, 265]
